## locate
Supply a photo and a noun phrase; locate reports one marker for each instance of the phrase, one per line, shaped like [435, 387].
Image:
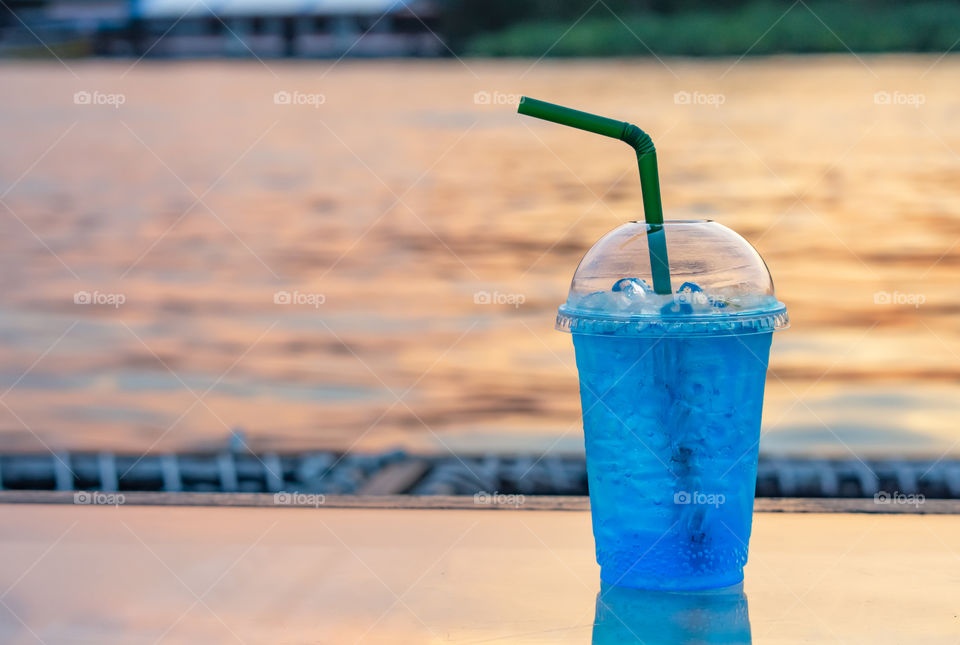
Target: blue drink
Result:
[672, 427]
[671, 387]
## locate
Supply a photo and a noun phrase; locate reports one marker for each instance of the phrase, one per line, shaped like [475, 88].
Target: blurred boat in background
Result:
[222, 28]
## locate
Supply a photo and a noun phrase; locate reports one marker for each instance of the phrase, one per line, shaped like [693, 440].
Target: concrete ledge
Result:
[460, 502]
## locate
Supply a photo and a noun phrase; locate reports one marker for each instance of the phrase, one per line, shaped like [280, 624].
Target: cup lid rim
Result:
[711, 324]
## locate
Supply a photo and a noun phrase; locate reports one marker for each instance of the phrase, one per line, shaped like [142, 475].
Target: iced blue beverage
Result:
[671, 389]
[671, 427]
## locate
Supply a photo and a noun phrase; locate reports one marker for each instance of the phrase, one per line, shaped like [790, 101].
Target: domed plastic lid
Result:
[720, 285]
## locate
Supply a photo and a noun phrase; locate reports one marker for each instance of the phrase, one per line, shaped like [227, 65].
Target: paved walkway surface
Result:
[133, 574]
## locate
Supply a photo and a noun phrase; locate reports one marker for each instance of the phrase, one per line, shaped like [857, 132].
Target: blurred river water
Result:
[370, 254]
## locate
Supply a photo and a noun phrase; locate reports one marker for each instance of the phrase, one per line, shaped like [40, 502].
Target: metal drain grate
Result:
[397, 472]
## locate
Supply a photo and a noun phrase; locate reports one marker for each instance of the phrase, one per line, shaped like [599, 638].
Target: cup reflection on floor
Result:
[713, 617]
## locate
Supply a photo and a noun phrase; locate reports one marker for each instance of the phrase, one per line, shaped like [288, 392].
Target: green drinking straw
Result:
[646, 161]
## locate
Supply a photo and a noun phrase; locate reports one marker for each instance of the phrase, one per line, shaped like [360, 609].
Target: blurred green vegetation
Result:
[699, 28]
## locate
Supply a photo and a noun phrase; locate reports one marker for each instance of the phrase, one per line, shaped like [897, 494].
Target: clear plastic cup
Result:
[672, 392]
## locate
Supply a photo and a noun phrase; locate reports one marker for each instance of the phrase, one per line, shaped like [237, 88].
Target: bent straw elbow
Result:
[637, 139]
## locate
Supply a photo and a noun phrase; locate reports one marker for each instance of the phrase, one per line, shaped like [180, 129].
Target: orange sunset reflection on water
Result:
[385, 211]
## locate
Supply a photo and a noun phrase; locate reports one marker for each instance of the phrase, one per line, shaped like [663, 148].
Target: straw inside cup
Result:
[646, 162]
